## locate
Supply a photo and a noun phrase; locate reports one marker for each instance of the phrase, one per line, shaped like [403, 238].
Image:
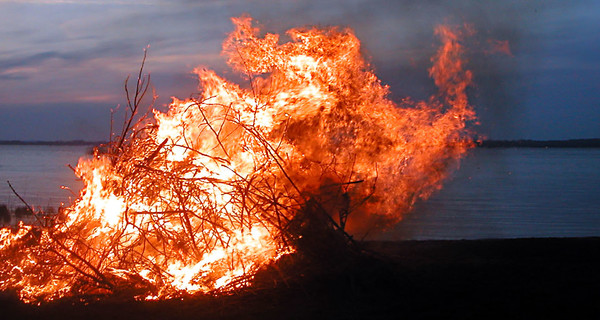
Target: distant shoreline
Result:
[571, 143]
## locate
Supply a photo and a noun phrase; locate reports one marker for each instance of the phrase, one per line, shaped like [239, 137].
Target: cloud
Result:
[114, 48]
[12, 76]
[82, 50]
[87, 2]
[32, 60]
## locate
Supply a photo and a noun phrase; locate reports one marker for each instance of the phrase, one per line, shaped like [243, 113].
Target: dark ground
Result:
[475, 279]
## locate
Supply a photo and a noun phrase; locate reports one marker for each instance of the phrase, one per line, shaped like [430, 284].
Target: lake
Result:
[496, 193]
[37, 173]
[512, 193]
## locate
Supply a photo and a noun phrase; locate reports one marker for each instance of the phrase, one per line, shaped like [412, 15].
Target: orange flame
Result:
[203, 196]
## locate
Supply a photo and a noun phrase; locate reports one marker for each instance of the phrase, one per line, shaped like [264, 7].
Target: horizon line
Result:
[595, 142]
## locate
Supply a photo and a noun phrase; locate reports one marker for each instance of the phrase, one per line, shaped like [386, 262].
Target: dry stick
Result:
[213, 130]
[114, 242]
[24, 202]
[365, 199]
[343, 183]
[227, 108]
[156, 151]
[233, 120]
[101, 278]
[270, 151]
[346, 209]
[188, 226]
[268, 197]
[214, 158]
[212, 223]
[287, 123]
[79, 270]
[350, 174]
[112, 120]
[237, 49]
[243, 201]
[278, 215]
[224, 118]
[143, 234]
[145, 85]
[184, 134]
[159, 236]
[171, 175]
[127, 94]
[74, 171]
[266, 218]
[260, 193]
[136, 100]
[137, 86]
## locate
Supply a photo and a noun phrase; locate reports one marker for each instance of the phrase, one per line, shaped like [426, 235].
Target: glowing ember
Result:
[199, 198]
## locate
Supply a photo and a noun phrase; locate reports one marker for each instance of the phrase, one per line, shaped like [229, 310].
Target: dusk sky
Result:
[63, 63]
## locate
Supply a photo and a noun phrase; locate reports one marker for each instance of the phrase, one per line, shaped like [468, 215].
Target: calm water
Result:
[508, 193]
[497, 193]
[37, 173]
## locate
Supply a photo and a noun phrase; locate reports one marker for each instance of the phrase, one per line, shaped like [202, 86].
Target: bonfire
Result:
[201, 197]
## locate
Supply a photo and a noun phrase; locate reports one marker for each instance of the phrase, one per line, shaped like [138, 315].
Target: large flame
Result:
[202, 196]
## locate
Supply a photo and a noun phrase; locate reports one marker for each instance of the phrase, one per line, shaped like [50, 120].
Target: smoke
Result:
[397, 39]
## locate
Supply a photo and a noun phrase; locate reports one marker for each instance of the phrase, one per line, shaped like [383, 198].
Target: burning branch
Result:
[141, 88]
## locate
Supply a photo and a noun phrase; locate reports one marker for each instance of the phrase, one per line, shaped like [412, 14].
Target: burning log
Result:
[198, 199]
